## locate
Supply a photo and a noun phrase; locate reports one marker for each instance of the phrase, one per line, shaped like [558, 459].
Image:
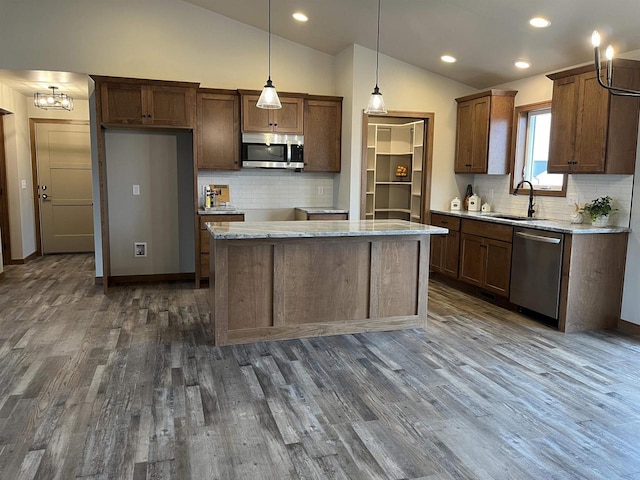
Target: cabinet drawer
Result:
[452, 223]
[219, 218]
[488, 230]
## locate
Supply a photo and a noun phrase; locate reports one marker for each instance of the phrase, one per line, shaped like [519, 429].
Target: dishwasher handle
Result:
[537, 238]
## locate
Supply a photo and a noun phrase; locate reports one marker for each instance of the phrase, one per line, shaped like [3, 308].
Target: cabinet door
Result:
[254, 119]
[323, 126]
[480, 134]
[205, 238]
[436, 252]
[464, 137]
[472, 259]
[172, 106]
[451, 253]
[591, 126]
[123, 103]
[563, 125]
[218, 131]
[497, 266]
[289, 118]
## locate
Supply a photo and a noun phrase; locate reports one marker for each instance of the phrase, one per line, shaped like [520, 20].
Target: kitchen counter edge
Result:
[549, 225]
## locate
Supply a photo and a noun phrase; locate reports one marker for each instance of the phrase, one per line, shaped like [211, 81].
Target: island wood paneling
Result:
[299, 287]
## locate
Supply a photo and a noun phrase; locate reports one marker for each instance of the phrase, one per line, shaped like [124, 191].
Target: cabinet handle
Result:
[275, 124]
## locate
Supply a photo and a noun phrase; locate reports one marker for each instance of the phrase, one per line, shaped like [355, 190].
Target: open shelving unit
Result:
[389, 146]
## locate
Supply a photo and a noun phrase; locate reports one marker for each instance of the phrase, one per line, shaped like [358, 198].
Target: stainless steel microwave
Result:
[270, 150]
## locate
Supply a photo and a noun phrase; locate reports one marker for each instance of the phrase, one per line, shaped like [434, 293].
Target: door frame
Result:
[34, 169]
[427, 157]
[4, 199]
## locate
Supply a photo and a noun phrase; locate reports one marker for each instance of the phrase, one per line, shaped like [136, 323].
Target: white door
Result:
[63, 153]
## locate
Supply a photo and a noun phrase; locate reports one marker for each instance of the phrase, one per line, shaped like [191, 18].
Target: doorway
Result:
[61, 162]
[397, 151]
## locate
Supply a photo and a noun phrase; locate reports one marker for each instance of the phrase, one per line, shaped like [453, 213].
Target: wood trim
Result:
[217, 91]
[427, 157]
[516, 156]
[22, 261]
[155, 277]
[423, 279]
[4, 200]
[278, 286]
[617, 62]
[34, 168]
[196, 217]
[98, 281]
[143, 81]
[493, 93]
[628, 327]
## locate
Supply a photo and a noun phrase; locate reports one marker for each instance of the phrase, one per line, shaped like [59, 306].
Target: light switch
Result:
[136, 189]
[24, 184]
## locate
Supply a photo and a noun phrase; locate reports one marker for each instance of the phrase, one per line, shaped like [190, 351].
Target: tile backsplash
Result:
[271, 189]
[580, 188]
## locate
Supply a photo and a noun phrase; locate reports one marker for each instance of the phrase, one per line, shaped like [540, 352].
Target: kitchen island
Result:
[284, 280]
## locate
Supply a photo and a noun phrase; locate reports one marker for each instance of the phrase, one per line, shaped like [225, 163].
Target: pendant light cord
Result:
[270, 39]
[377, 43]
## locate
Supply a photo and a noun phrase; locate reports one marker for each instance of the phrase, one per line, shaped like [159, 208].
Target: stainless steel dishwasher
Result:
[536, 270]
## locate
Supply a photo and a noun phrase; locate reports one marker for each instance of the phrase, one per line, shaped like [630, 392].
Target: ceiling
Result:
[486, 36]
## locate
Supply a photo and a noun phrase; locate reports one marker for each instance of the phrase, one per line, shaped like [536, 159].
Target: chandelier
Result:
[623, 92]
[52, 100]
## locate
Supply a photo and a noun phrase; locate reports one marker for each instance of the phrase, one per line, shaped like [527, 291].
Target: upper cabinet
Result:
[322, 134]
[218, 130]
[288, 119]
[483, 132]
[592, 131]
[147, 102]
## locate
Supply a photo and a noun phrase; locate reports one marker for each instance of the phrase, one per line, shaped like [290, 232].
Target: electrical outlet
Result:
[136, 189]
[139, 249]
[320, 190]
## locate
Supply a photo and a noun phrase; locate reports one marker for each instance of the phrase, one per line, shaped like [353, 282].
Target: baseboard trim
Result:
[22, 261]
[156, 277]
[98, 281]
[628, 327]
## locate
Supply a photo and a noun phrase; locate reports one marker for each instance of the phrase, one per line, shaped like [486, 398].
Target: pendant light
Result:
[269, 97]
[376, 102]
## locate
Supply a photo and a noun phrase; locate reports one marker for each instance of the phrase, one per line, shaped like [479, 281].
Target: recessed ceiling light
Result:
[522, 64]
[301, 17]
[539, 22]
[448, 58]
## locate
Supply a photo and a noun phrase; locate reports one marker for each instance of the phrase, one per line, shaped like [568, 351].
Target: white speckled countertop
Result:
[317, 210]
[318, 228]
[549, 225]
[225, 210]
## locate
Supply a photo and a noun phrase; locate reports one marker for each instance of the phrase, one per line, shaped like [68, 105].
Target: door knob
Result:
[45, 196]
[43, 187]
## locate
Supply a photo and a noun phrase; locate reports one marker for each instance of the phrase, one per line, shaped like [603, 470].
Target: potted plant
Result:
[599, 211]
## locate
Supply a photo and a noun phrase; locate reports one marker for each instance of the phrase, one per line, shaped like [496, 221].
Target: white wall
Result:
[405, 88]
[156, 39]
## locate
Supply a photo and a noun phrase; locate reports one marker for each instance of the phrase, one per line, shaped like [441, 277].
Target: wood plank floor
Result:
[129, 386]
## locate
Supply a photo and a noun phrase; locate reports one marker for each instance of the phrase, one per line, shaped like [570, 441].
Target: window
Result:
[532, 131]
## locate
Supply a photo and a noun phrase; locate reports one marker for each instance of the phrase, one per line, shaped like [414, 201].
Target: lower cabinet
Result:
[445, 249]
[485, 255]
[204, 238]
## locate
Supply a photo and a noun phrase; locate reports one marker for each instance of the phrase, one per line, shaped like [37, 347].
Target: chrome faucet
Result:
[530, 211]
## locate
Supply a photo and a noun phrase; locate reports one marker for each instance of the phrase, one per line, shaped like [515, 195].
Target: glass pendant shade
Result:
[269, 97]
[376, 103]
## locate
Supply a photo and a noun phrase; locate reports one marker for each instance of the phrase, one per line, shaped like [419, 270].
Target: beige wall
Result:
[159, 39]
[405, 88]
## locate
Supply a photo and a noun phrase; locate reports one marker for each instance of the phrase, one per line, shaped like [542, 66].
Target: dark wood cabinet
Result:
[445, 249]
[205, 236]
[485, 255]
[483, 132]
[147, 102]
[218, 130]
[288, 119]
[592, 131]
[322, 134]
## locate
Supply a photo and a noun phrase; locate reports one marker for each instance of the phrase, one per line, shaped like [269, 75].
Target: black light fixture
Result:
[376, 102]
[269, 97]
[623, 92]
[52, 100]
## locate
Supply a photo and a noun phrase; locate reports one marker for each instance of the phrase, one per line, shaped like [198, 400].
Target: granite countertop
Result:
[318, 228]
[549, 225]
[329, 210]
[222, 210]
